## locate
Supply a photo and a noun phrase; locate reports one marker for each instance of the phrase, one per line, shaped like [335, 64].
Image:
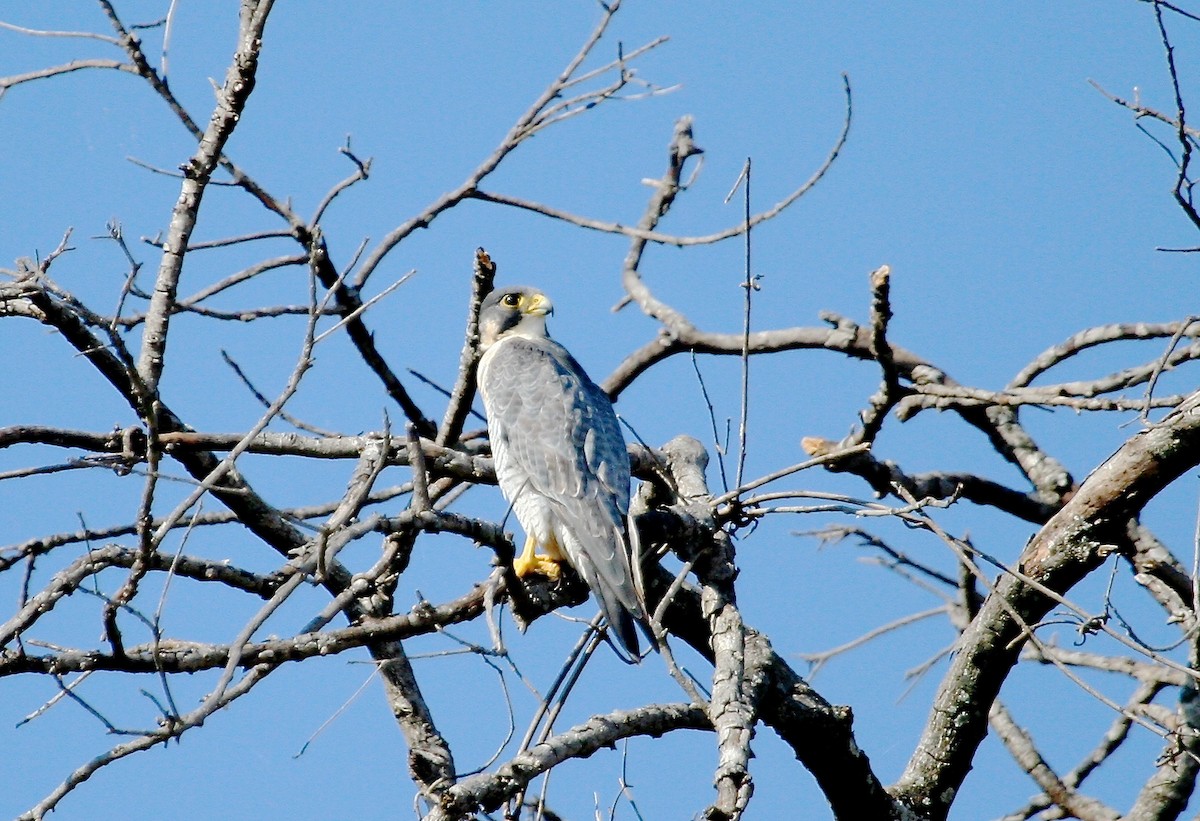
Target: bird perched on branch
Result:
[560, 458]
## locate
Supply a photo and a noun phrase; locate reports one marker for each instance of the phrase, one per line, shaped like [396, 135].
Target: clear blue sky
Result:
[1014, 204]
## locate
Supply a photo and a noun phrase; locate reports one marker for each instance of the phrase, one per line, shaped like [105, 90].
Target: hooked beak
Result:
[540, 305]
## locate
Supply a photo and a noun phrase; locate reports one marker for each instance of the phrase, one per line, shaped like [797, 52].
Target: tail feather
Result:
[621, 626]
[599, 550]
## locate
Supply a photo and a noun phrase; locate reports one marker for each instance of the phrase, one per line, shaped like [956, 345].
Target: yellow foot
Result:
[541, 565]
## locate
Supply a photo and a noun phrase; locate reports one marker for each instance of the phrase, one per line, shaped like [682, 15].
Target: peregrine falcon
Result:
[560, 458]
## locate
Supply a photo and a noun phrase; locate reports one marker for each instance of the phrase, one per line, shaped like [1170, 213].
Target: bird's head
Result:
[516, 311]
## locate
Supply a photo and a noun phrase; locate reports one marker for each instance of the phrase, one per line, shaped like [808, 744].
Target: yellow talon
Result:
[530, 562]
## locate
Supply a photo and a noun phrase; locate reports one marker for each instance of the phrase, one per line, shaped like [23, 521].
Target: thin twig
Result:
[750, 284]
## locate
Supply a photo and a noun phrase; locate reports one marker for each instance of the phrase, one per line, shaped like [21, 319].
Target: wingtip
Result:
[626, 633]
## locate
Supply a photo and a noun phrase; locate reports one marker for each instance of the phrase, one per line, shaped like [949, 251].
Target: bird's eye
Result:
[510, 300]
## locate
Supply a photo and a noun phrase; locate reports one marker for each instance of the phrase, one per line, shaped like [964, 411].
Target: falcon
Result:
[560, 458]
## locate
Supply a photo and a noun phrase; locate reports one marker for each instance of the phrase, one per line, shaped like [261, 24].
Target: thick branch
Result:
[239, 83]
[488, 791]
[430, 762]
[736, 689]
[819, 733]
[1073, 543]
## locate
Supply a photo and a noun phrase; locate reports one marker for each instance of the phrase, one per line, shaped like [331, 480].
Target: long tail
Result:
[615, 588]
[622, 624]
[597, 544]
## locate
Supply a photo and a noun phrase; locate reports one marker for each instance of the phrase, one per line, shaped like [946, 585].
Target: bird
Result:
[559, 455]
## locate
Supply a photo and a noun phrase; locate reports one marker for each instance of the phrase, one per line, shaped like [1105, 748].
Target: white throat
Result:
[531, 326]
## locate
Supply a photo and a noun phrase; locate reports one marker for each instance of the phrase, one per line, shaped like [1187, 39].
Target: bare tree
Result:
[339, 562]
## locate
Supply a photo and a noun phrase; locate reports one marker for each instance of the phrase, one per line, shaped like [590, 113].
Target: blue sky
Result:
[1013, 202]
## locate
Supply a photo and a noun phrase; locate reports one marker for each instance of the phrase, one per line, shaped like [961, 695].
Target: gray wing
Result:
[554, 433]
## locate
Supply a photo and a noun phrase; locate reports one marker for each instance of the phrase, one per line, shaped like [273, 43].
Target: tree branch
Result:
[1070, 545]
[488, 791]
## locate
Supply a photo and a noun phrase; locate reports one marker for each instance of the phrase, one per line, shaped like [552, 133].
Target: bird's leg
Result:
[530, 562]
